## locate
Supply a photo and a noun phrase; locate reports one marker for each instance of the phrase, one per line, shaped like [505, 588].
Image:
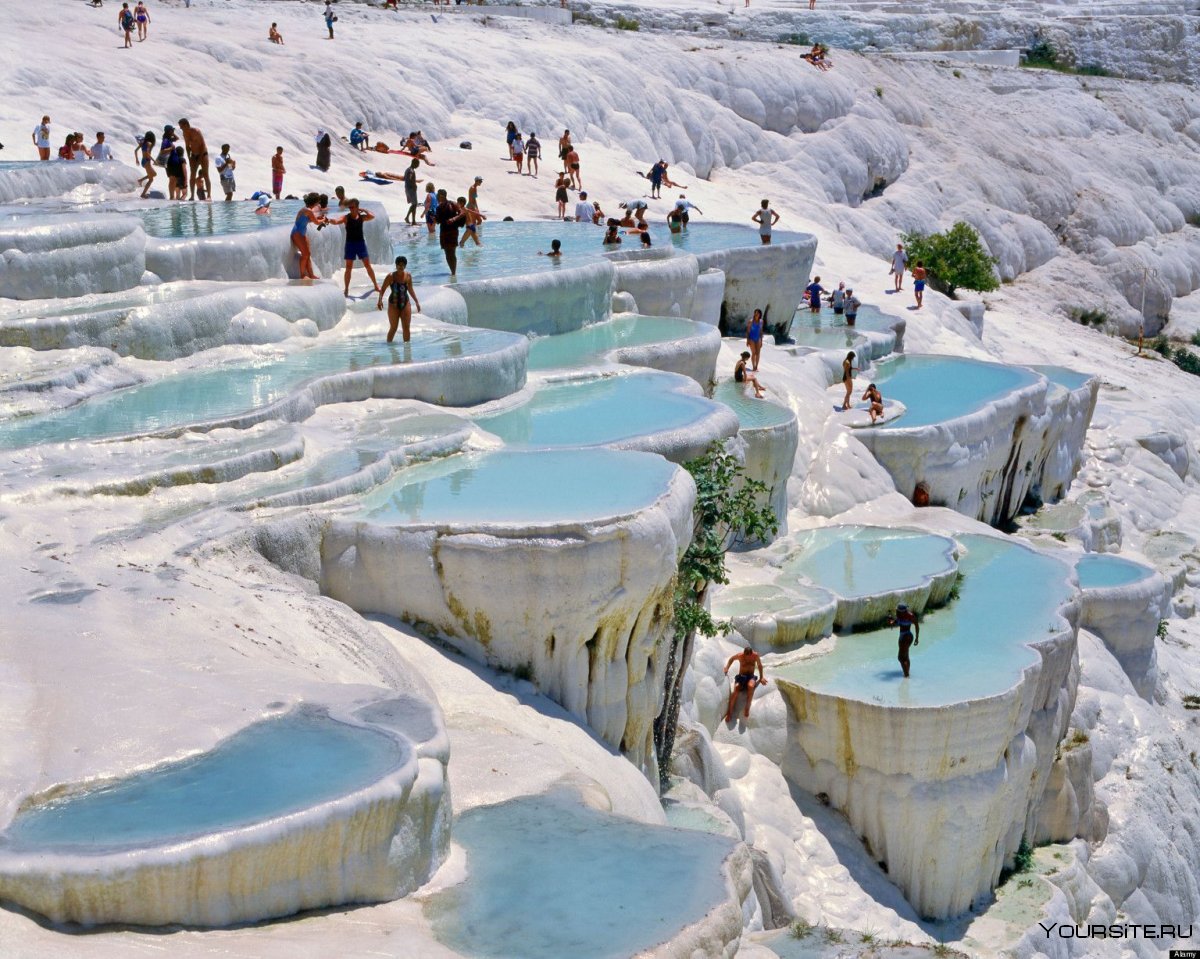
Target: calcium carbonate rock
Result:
[768, 278]
[1126, 617]
[541, 303]
[56, 178]
[64, 256]
[581, 607]
[661, 283]
[382, 839]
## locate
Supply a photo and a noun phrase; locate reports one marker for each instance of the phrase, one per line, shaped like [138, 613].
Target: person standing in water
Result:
[748, 661]
[197, 151]
[430, 207]
[766, 218]
[356, 244]
[754, 335]
[277, 172]
[410, 192]
[852, 303]
[399, 282]
[848, 378]
[906, 619]
[308, 214]
[813, 291]
[449, 217]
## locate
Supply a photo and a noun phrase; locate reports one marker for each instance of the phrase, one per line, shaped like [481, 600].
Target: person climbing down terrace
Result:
[906, 619]
[748, 660]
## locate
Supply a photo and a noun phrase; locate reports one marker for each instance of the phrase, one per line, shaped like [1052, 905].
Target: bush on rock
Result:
[955, 259]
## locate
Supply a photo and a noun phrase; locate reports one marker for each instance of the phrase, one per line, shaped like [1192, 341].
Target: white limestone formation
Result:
[375, 843]
[541, 303]
[581, 607]
[169, 321]
[53, 256]
[1126, 618]
[943, 794]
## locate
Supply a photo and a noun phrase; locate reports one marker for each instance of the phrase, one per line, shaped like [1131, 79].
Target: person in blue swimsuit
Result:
[906, 619]
[308, 214]
[754, 335]
[399, 282]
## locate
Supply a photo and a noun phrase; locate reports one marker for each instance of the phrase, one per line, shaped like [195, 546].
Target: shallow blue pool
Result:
[827, 322]
[238, 387]
[752, 413]
[510, 249]
[971, 648]
[542, 486]
[549, 879]
[272, 768]
[593, 412]
[589, 344]
[212, 219]
[1100, 570]
[935, 389]
[855, 561]
[1064, 377]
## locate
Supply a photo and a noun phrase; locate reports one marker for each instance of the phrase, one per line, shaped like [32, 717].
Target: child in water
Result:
[555, 249]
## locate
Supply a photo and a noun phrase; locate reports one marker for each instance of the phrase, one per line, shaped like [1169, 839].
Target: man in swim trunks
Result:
[685, 206]
[906, 619]
[277, 172]
[748, 660]
[813, 293]
[197, 152]
[449, 217]
[226, 165]
[899, 265]
[533, 153]
[918, 275]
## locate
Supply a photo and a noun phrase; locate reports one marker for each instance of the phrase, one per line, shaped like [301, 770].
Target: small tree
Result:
[955, 259]
[730, 508]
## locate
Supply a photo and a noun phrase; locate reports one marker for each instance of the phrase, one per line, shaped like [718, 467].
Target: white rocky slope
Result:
[1071, 185]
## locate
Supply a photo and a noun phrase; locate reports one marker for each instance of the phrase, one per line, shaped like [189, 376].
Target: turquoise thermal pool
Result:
[1069, 379]
[182, 220]
[608, 409]
[972, 648]
[503, 487]
[827, 322]
[935, 389]
[858, 561]
[1102, 571]
[510, 249]
[589, 344]
[270, 769]
[197, 396]
[548, 878]
[751, 413]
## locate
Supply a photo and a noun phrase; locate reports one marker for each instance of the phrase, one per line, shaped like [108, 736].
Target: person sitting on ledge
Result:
[743, 375]
[876, 399]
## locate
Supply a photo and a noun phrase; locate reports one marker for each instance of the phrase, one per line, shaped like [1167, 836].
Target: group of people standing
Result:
[184, 156]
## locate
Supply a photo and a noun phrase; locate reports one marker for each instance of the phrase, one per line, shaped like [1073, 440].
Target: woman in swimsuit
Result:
[848, 378]
[142, 16]
[399, 281]
[144, 154]
[875, 398]
[306, 216]
[510, 134]
[430, 207]
[560, 195]
[743, 375]
[754, 333]
[611, 237]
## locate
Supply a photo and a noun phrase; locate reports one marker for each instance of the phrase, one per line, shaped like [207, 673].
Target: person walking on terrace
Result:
[899, 265]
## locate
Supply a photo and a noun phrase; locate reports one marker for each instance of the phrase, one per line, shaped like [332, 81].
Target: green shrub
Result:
[800, 929]
[1161, 632]
[1042, 55]
[879, 92]
[1089, 317]
[954, 260]
[1161, 345]
[796, 39]
[627, 23]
